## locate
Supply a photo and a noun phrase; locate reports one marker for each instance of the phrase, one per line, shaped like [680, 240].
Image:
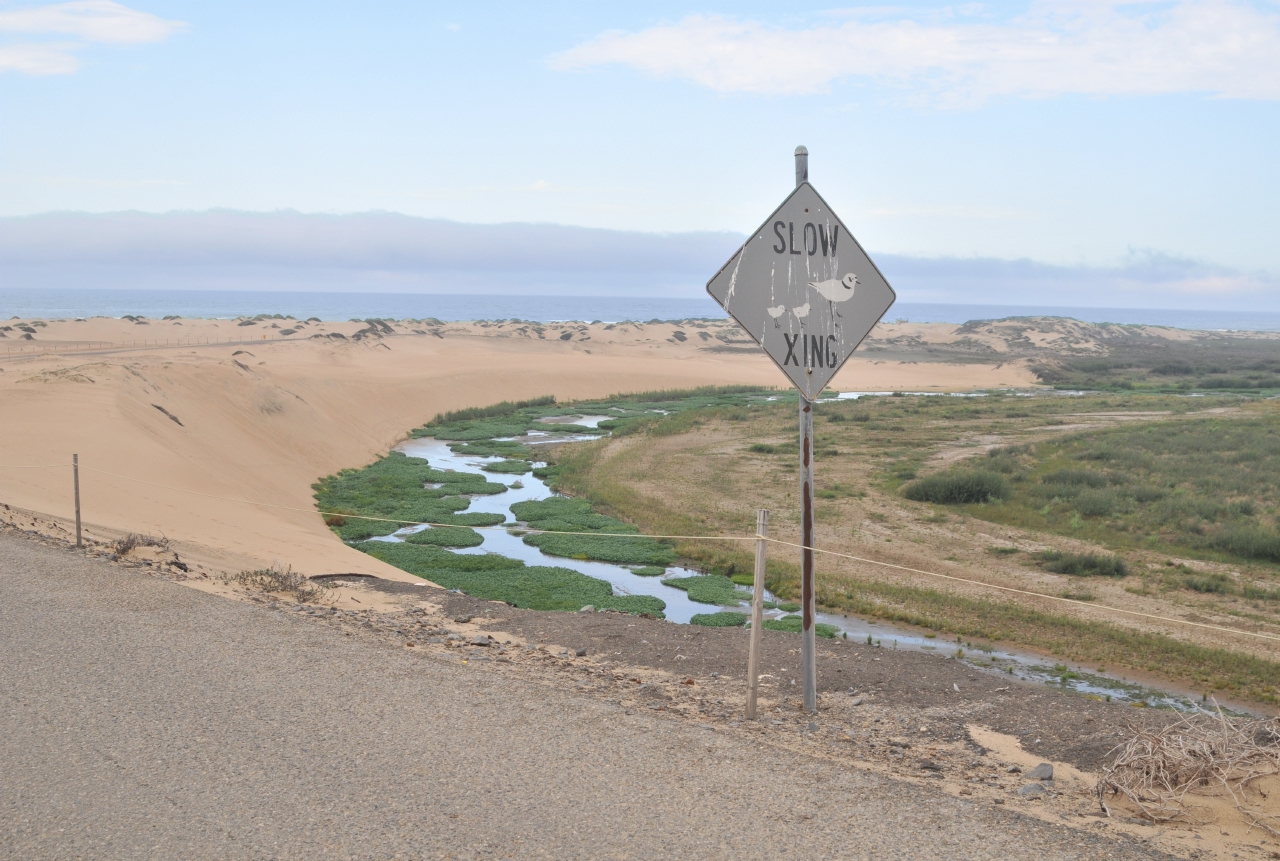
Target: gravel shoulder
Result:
[141, 719]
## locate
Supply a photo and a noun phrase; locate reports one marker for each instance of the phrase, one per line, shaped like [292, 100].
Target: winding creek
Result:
[680, 609]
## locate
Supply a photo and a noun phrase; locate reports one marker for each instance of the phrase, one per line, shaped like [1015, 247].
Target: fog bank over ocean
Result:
[379, 254]
[58, 303]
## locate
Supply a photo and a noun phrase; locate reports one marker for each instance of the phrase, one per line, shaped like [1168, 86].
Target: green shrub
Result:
[1219, 584]
[793, 624]
[1249, 542]
[1084, 564]
[723, 619]
[953, 488]
[707, 589]
[1096, 503]
[789, 606]
[1083, 477]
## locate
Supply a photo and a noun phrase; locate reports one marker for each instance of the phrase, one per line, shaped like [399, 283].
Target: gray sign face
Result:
[804, 289]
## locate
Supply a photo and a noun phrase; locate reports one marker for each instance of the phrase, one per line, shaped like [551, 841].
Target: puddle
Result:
[995, 662]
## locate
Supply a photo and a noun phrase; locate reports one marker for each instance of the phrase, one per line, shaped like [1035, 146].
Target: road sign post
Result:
[804, 289]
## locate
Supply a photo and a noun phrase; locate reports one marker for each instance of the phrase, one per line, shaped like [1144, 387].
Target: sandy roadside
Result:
[175, 436]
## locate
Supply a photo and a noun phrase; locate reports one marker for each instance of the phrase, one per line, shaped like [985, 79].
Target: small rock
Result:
[590, 608]
[1031, 790]
[930, 765]
[454, 637]
[997, 801]
[581, 653]
[1043, 771]
[462, 620]
[856, 701]
[113, 557]
[480, 640]
[1014, 769]
[813, 727]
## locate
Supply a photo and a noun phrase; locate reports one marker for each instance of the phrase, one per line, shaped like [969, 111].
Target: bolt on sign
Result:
[804, 289]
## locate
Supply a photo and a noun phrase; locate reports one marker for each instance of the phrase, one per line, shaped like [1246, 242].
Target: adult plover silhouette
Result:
[836, 290]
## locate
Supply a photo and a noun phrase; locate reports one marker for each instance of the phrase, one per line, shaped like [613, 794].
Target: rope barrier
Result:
[779, 541]
[404, 522]
[37, 466]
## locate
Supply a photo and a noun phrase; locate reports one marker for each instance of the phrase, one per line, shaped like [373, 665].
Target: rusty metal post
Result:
[808, 601]
[757, 613]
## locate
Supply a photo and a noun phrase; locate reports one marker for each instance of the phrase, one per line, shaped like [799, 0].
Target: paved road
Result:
[141, 719]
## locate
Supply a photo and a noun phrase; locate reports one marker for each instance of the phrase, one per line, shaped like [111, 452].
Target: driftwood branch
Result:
[1161, 772]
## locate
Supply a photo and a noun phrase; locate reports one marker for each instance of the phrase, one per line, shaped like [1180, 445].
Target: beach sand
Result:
[179, 423]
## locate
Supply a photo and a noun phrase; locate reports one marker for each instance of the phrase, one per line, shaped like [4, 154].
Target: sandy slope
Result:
[262, 419]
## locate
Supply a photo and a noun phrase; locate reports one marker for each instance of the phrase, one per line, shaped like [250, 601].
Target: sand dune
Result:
[186, 425]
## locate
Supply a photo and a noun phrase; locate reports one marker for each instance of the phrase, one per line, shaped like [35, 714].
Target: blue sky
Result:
[1086, 136]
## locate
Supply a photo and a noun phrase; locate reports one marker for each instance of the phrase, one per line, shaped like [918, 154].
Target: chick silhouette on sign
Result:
[836, 290]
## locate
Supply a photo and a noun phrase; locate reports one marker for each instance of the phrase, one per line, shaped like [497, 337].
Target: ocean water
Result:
[28, 303]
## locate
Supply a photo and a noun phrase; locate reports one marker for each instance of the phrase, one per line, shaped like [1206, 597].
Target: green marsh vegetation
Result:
[497, 578]
[1208, 363]
[793, 623]
[723, 619]
[707, 589]
[1201, 486]
[559, 514]
[883, 441]
[403, 490]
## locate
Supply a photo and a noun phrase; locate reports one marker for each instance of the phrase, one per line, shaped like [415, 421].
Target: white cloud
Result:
[1102, 47]
[88, 20]
[91, 20]
[46, 58]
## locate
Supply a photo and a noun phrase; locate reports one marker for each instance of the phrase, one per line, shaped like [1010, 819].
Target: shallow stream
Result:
[680, 609]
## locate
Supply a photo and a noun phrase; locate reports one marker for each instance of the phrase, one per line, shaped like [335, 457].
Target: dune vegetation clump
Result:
[498, 578]
[955, 488]
[1084, 564]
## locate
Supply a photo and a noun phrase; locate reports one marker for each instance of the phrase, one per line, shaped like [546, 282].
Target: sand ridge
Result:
[174, 437]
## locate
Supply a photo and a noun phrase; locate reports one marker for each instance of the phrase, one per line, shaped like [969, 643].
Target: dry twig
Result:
[283, 580]
[1200, 755]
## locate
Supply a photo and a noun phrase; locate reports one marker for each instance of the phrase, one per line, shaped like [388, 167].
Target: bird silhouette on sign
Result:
[775, 313]
[801, 312]
[836, 290]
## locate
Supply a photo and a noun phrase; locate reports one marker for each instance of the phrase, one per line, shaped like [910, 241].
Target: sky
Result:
[1126, 150]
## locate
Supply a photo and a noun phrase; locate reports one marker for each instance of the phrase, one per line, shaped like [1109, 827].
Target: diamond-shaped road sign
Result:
[804, 289]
